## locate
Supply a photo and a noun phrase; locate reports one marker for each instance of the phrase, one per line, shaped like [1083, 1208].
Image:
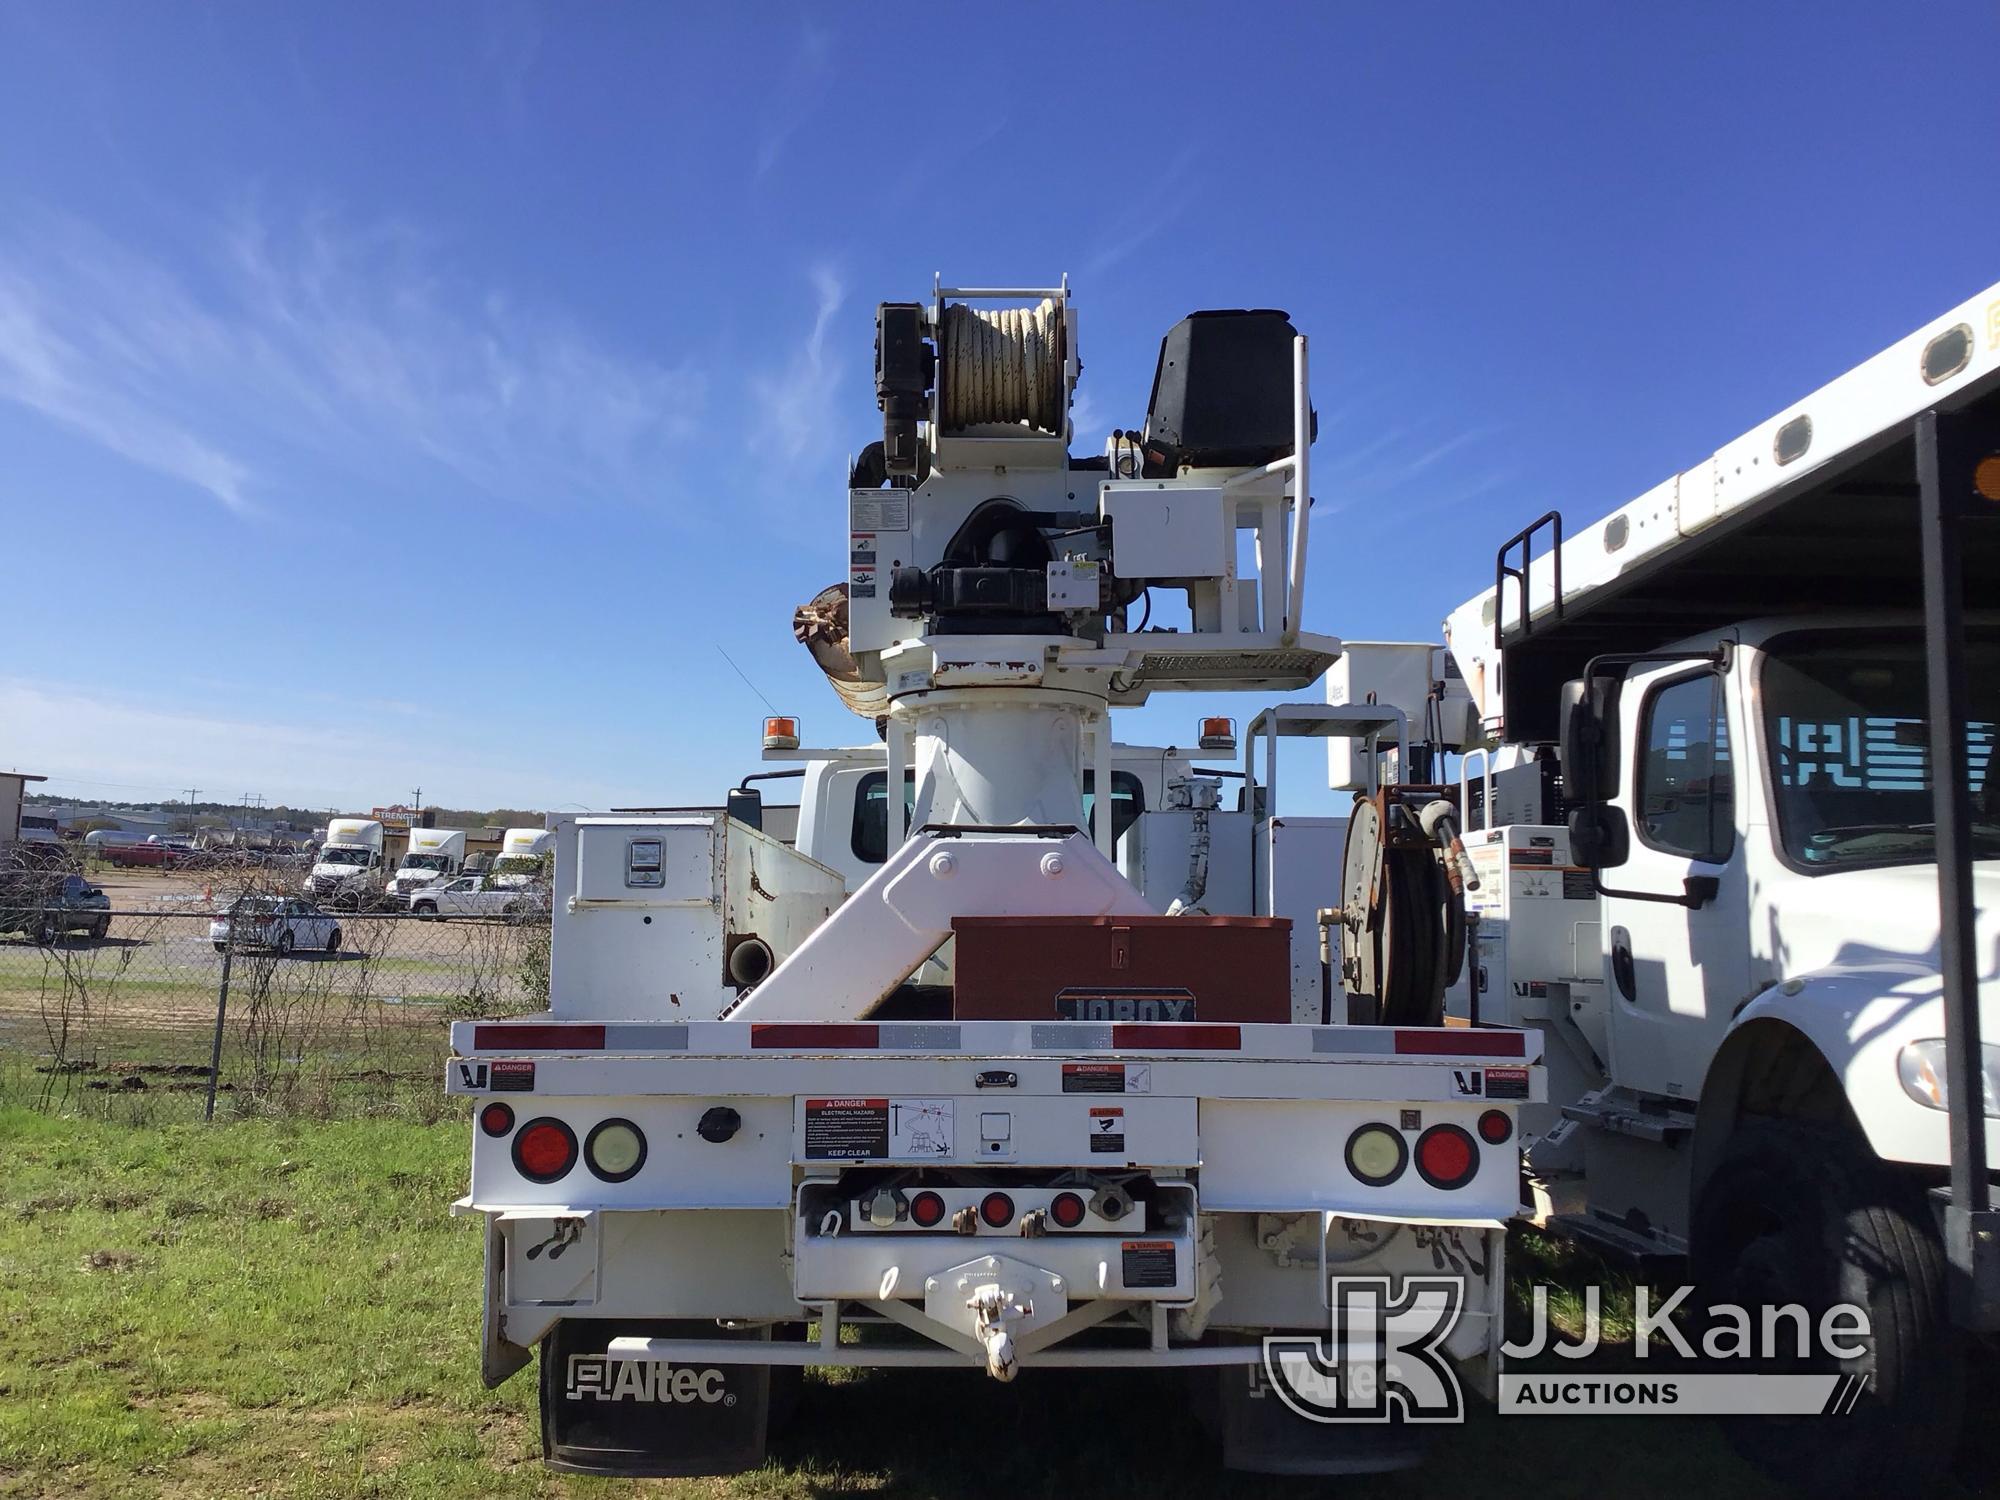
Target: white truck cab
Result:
[349, 870]
[1743, 848]
[434, 854]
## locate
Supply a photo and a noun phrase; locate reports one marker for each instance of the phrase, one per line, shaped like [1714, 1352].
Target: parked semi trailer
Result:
[761, 1125]
[1747, 727]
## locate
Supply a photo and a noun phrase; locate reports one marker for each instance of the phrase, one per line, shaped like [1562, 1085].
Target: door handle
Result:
[1624, 973]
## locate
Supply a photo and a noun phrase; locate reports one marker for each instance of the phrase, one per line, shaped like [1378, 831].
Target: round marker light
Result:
[1067, 1210]
[1377, 1155]
[1495, 1127]
[497, 1118]
[615, 1150]
[544, 1150]
[997, 1209]
[927, 1210]
[1447, 1157]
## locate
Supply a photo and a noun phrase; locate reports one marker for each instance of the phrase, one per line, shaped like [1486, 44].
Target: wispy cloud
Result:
[347, 344]
[798, 408]
[798, 91]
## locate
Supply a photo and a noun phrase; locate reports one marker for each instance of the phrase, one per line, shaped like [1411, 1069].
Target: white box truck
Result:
[349, 871]
[433, 854]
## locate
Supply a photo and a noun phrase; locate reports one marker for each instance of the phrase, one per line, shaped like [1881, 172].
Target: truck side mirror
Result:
[1590, 739]
[746, 805]
[1599, 837]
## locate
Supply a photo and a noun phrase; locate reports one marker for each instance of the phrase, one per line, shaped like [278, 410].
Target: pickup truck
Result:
[48, 906]
[478, 896]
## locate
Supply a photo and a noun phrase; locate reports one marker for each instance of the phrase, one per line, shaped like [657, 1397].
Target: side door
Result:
[1677, 973]
[456, 899]
[311, 927]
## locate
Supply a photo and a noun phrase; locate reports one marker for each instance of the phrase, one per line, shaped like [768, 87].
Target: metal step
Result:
[1664, 1124]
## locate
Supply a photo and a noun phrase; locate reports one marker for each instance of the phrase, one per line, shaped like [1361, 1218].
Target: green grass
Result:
[284, 1308]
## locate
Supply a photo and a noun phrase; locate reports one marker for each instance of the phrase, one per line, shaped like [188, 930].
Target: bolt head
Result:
[1052, 865]
[944, 865]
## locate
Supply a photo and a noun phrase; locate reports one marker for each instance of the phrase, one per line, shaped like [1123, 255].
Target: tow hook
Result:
[996, 1309]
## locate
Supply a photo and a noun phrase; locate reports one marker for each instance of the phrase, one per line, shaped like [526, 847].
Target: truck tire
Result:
[1803, 1213]
[426, 911]
[49, 932]
[101, 928]
[286, 942]
[333, 942]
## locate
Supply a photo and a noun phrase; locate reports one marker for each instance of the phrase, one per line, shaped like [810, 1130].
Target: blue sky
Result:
[399, 395]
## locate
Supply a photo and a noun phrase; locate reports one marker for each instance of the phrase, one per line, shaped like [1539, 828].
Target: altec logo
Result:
[597, 1377]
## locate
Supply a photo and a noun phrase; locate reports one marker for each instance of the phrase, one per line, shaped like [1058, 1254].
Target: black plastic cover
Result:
[1222, 392]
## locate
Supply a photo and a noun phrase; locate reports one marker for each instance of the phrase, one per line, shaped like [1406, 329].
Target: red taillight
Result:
[1447, 1157]
[497, 1118]
[544, 1150]
[1496, 1127]
[1067, 1210]
[997, 1209]
[927, 1210]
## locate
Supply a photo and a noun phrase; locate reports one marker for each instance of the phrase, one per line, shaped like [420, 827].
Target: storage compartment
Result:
[1123, 969]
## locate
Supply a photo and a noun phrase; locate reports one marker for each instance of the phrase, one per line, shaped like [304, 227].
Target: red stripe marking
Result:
[1198, 1035]
[841, 1034]
[1474, 1041]
[538, 1038]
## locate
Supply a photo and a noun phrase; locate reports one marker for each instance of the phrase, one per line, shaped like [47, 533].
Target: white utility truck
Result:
[1747, 761]
[434, 854]
[756, 1128]
[350, 871]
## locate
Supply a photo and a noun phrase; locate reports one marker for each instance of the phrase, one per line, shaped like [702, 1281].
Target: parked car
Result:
[279, 923]
[478, 896]
[47, 905]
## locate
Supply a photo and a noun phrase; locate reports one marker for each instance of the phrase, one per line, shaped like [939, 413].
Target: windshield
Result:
[425, 861]
[518, 864]
[1845, 717]
[343, 856]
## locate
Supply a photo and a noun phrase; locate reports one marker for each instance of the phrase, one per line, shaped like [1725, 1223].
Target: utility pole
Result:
[193, 792]
[416, 806]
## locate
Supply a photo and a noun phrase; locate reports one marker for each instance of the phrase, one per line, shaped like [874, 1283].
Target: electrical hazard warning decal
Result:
[862, 1129]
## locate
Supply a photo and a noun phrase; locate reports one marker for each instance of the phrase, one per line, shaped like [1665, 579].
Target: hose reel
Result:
[1402, 920]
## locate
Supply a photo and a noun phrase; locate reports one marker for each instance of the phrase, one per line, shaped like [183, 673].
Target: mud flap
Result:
[1261, 1435]
[645, 1418]
[499, 1357]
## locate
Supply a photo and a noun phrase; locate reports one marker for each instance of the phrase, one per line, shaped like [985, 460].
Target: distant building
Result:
[13, 787]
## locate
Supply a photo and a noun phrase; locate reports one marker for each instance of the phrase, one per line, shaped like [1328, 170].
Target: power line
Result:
[746, 680]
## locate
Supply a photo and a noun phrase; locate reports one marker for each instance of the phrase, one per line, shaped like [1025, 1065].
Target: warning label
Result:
[879, 510]
[920, 1127]
[1107, 1131]
[843, 1129]
[1579, 885]
[1093, 1078]
[1147, 1263]
[1506, 1083]
[513, 1076]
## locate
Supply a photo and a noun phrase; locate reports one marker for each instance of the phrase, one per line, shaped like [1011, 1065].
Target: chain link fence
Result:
[185, 1001]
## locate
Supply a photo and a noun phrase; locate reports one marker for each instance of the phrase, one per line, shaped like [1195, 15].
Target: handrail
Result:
[1523, 539]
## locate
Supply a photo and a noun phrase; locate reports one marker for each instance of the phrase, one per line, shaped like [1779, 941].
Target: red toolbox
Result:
[1123, 969]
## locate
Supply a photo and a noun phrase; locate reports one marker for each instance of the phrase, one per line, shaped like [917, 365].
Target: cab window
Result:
[869, 838]
[1686, 801]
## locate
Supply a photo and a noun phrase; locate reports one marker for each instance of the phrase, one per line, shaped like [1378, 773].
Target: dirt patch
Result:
[110, 1260]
